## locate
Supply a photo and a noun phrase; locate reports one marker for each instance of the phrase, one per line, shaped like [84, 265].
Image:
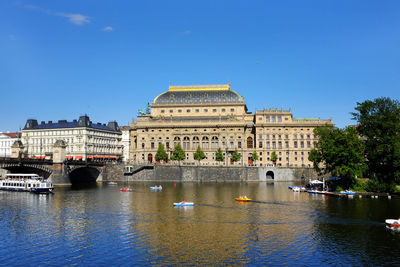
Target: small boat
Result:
[393, 223]
[243, 199]
[26, 182]
[314, 192]
[347, 192]
[112, 183]
[296, 189]
[183, 203]
[156, 187]
[126, 189]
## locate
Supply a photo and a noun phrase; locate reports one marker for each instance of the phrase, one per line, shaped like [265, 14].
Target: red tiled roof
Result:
[13, 135]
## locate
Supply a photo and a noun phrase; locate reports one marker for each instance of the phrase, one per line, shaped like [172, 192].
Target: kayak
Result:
[183, 203]
[243, 199]
[112, 183]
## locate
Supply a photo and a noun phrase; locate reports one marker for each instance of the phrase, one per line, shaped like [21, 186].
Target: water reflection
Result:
[101, 225]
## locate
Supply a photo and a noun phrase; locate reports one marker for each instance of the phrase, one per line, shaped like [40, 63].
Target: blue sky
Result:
[107, 59]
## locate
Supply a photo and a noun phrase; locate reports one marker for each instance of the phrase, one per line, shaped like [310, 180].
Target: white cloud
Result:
[74, 18]
[77, 19]
[108, 29]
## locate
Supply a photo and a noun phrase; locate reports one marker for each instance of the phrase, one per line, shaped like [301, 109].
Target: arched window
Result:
[249, 142]
[204, 142]
[176, 140]
[214, 142]
[196, 142]
[186, 142]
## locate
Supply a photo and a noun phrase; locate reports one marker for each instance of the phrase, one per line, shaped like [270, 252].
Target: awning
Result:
[78, 157]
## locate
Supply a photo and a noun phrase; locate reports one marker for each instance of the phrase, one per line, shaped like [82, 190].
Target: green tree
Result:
[219, 156]
[254, 156]
[341, 152]
[379, 126]
[236, 156]
[161, 153]
[199, 154]
[274, 157]
[178, 153]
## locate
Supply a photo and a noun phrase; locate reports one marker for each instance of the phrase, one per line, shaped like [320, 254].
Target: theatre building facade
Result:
[214, 116]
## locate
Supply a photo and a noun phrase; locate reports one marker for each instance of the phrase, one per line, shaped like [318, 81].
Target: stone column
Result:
[59, 151]
[17, 150]
[59, 175]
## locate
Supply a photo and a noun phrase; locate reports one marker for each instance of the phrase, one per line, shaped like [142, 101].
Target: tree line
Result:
[369, 149]
[179, 154]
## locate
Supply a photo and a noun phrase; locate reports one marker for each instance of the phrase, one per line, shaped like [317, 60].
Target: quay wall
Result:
[176, 173]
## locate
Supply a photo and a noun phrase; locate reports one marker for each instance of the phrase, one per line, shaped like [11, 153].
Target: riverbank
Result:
[175, 173]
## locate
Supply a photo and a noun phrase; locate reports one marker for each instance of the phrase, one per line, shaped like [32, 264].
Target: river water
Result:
[98, 225]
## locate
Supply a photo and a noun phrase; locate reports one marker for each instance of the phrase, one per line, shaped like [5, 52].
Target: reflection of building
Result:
[125, 143]
[214, 116]
[84, 139]
[6, 141]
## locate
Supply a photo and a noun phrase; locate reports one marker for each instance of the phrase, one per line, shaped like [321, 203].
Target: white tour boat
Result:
[25, 182]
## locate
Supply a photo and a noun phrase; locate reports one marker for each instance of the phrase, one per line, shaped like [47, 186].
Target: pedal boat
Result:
[183, 204]
[393, 223]
[243, 199]
[126, 189]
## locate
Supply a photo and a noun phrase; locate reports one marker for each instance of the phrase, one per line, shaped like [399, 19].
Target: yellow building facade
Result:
[214, 116]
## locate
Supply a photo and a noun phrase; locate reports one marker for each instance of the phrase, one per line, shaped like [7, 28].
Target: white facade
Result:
[6, 141]
[125, 143]
[84, 139]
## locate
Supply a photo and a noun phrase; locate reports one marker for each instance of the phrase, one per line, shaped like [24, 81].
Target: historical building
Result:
[84, 139]
[214, 116]
[125, 142]
[6, 141]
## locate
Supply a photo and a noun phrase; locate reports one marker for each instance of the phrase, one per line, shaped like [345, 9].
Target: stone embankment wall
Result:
[208, 174]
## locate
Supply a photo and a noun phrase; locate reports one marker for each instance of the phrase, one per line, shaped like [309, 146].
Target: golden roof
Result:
[215, 87]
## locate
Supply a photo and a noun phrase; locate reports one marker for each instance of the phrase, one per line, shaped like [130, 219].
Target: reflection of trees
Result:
[352, 231]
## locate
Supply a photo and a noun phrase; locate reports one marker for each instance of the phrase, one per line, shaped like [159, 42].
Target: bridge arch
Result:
[270, 175]
[84, 174]
[28, 168]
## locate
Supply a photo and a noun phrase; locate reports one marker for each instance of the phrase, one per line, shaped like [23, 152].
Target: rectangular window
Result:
[287, 144]
[308, 144]
[267, 118]
[302, 144]
[239, 144]
[279, 118]
[162, 111]
[260, 144]
[273, 118]
[268, 144]
[295, 144]
[279, 144]
[273, 145]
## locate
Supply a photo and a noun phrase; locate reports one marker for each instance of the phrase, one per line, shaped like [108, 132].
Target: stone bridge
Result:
[66, 172]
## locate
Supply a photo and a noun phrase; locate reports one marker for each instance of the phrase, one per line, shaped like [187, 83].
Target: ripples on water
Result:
[99, 225]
